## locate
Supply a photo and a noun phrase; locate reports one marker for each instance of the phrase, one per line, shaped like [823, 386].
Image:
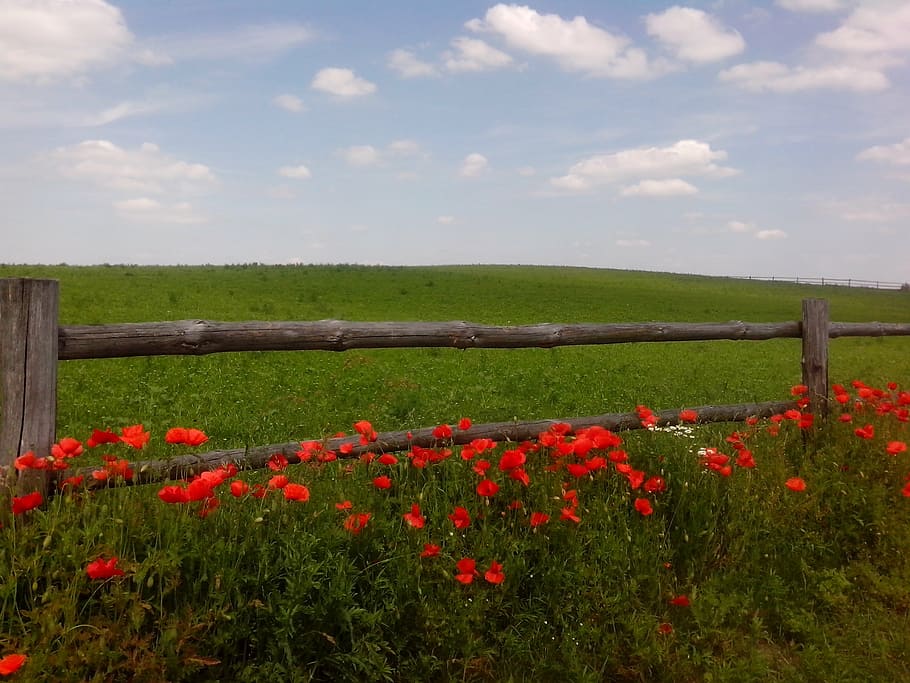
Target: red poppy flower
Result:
[643, 506]
[636, 479]
[481, 467]
[895, 447]
[467, 570]
[866, 432]
[569, 515]
[464, 423]
[655, 485]
[494, 574]
[519, 474]
[27, 502]
[99, 475]
[67, 447]
[297, 492]
[795, 484]
[442, 432]
[209, 505]
[845, 417]
[681, 601]
[73, 481]
[688, 415]
[28, 461]
[665, 628]
[487, 488]
[279, 481]
[134, 436]
[538, 518]
[745, 459]
[460, 518]
[102, 569]
[577, 469]
[11, 664]
[277, 462]
[239, 488]
[344, 505]
[174, 494]
[356, 522]
[799, 390]
[414, 518]
[512, 459]
[430, 550]
[382, 482]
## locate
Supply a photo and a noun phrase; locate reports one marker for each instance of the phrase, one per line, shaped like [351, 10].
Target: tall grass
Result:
[781, 584]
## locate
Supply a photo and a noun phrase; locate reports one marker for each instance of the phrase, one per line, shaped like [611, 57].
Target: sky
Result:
[719, 137]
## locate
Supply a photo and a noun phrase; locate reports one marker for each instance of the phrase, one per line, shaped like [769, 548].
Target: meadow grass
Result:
[782, 585]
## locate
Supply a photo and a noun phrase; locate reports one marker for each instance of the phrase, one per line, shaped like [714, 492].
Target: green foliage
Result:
[784, 585]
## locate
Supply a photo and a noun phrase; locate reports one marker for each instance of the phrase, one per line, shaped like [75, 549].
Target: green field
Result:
[260, 398]
[779, 584]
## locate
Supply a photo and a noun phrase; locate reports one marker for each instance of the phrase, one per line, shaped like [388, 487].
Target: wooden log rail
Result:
[184, 466]
[32, 342]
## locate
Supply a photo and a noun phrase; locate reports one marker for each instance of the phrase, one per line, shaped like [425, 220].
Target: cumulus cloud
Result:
[152, 211]
[360, 155]
[770, 235]
[871, 28]
[47, 40]
[693, 35]
[145, 169]
[473, 165]
[683, 158]
[445, 220]
[300, 172]
[574, 44]
[739, 226]
[407, 65]
[470, 54]
[290, 103]
[342, 83]
[633, 243]
[672, 187]
[777, 77]
[811, 5]
[897, 154]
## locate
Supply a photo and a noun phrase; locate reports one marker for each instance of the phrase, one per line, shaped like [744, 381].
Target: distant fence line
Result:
[32, 342]
[834, 281]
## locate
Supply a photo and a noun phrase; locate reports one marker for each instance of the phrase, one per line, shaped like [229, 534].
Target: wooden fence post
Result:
[28, 375]
[815, 354]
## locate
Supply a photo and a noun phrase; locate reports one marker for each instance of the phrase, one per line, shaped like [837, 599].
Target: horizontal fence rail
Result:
[833, 281]
[32, 342]
[199, 337]
[181, 467]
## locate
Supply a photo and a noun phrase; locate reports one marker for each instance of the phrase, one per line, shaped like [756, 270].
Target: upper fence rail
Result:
[834, 281]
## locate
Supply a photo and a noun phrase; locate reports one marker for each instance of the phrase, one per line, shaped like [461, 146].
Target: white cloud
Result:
[739, 226]
[256, 43]
[408, 65]
[672, 187]
[152, 211]
[46, 40]
[811, 5]
[145, 169]
[777, 77]
[770, 235]
[342, 83]
[639, 244]
[693, 35]
[404, 148]
[683, 158]
[473, 165]
[575, 44]
[360, 155]
[872, 28]
[445, 220]
[471, 54]
[897, 154]
[300, 172]
[290, 103]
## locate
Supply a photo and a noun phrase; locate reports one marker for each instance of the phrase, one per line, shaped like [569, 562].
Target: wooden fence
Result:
[32, 342]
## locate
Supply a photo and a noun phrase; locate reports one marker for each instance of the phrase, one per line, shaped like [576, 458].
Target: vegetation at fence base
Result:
[777, 551]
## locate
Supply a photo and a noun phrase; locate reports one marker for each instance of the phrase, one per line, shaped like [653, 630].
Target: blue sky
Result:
[723, 137]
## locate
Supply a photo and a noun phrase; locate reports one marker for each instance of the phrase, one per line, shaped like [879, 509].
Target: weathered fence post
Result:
[815, 354]
[28, 374]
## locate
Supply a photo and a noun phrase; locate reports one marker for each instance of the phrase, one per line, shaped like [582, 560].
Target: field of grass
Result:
[779, 584]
